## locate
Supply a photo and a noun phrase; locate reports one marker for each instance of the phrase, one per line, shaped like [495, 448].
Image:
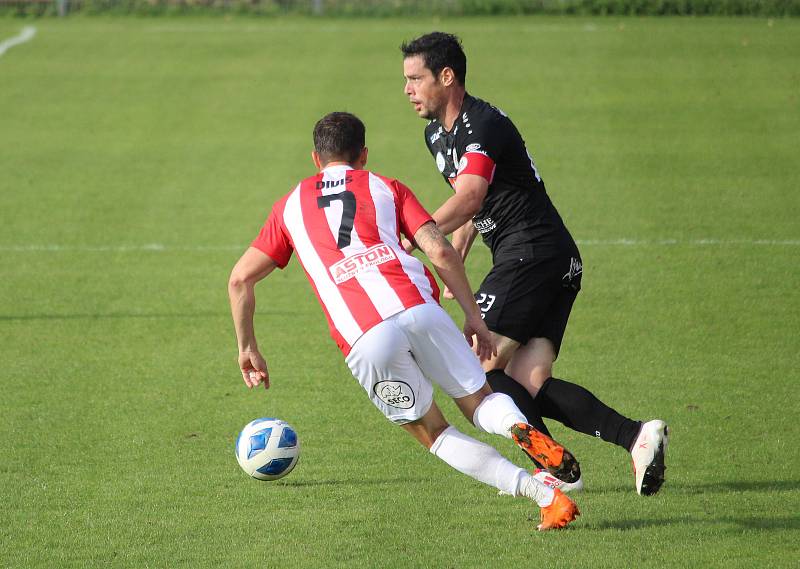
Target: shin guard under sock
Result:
[497, 414]
[578, 409]
[483, 463]
[501, 383]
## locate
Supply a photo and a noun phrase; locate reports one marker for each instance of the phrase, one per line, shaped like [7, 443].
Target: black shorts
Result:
[524, 298]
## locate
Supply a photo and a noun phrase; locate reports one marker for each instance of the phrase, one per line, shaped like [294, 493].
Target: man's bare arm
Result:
[448, 265]
[459, 208]
[462, 240]
[252, 267]
[457, 211]
[463, 237]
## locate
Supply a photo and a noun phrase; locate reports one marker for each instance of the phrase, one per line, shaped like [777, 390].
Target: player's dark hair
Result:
[439, 50]
[339, 136]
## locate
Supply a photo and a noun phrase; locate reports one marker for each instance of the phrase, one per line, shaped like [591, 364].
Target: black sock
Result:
[501, 383]
[578, 409]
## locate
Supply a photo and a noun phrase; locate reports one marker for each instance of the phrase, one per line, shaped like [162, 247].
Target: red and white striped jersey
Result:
[345, 226]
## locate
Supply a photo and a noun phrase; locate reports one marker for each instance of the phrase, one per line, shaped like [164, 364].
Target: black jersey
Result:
[517, 211]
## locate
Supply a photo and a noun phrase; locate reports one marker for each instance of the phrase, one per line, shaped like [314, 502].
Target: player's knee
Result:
[531, 378]
[539, 374]
[533, 364]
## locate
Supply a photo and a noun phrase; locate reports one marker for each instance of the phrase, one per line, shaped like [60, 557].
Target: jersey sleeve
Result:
[411, 213]
[481, 146]
[427, 134]
[273, 239]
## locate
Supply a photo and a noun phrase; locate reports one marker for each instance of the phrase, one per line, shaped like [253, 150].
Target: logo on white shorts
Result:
[395, 393]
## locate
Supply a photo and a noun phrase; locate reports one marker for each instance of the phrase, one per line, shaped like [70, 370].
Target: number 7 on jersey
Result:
[348, 200]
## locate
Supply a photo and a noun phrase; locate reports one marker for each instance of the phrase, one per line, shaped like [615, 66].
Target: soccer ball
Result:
[267, 448]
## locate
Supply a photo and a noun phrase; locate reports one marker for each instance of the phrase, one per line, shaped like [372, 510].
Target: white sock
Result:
[483, 463]
[536, 491]
[496, 414]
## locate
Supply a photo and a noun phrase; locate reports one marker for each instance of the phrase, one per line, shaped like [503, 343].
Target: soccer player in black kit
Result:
[528, 294]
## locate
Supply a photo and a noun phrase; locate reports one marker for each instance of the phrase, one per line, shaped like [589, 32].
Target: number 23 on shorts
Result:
[488, 299]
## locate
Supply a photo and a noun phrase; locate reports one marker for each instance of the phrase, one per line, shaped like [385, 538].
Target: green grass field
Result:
[140, 156]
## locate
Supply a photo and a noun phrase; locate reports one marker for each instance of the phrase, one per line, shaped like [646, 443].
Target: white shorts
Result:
[396, 361]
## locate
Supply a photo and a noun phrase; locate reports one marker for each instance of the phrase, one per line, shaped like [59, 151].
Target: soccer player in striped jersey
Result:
[527, 296]
[345, 224]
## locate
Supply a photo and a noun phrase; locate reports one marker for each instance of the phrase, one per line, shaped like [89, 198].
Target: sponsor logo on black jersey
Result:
[484, 225]
[440, 161]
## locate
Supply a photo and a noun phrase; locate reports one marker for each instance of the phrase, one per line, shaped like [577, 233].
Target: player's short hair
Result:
[439, 50]
[339, 136]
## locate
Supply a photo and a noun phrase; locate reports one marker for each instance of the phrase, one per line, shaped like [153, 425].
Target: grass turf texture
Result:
[121, 398]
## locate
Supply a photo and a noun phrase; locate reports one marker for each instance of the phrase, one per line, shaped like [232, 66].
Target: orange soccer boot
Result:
[546, 453]
[559, 513]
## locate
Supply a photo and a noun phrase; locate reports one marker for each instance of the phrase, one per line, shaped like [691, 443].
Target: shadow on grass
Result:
[765, 523]
[131, 315]
[627, 525]
[713, 487]
[745, 486]
[353, 482]
[746, 523]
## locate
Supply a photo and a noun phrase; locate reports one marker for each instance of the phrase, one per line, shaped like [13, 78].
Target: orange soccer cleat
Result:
[547, 453]
[559, 513]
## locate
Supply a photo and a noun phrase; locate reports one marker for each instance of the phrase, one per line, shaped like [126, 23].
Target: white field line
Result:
[696, 242]
[158, 247]
[26, 34]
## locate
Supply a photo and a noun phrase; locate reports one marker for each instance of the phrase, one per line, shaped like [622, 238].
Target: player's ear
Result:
[316, 160]
[362, 158]
[447, 76]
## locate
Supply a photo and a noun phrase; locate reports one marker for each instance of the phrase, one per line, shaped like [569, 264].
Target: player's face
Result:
[425, 92]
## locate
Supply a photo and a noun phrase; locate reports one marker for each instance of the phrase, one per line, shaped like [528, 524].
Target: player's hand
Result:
[447, 293]
[483, 342]
[254, 369]
[407, 245]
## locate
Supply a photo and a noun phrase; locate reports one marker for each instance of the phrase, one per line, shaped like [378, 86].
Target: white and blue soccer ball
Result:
[267, 448]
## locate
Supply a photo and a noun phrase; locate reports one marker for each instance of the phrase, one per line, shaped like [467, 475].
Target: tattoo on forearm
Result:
[429, 235]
